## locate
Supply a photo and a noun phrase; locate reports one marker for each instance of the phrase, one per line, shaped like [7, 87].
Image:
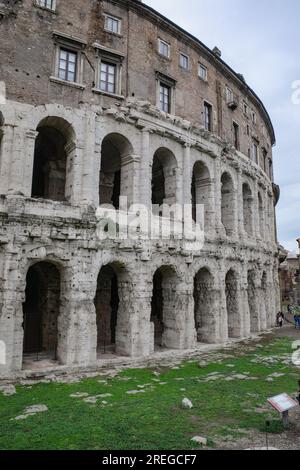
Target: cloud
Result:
[262, 41]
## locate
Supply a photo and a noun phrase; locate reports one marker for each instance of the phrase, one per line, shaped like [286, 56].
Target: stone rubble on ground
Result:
[187, 404]
[8, 390]
[31, 411]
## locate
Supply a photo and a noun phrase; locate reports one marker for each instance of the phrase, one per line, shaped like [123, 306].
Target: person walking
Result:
[280, 319]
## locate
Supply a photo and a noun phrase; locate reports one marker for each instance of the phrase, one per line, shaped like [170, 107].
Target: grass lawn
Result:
[154, 419]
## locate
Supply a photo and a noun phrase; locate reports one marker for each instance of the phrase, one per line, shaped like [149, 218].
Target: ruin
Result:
[100, 103]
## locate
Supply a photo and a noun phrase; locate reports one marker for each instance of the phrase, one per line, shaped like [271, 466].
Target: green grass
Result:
[154, 419]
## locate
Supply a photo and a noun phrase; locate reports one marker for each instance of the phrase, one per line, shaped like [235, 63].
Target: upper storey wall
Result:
[30, 38]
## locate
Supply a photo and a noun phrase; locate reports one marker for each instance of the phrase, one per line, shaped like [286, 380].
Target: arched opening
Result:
[248, 209]
[264, 302]
[53, 146]
[227, 203]
[116, 173]
[163, 308]
[252, 301]
[261, 215]
[41, 311]
[164, 178]
[107, 306]
[1, 133]
[201, 195]
[233, 314]
[203, 301]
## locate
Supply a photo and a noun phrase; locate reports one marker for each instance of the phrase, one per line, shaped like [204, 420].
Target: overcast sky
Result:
[261, 40]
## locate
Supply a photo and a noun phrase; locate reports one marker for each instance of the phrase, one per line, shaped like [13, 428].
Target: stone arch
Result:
[227, 203]
[111, 304]
[53, 157]
[116, 172]
[164, 175]
[202, 194]
[252, 301]
[204, 306]
[232, 304]
[41, 310]
[261, 215]
[166, 331]
[248, 209]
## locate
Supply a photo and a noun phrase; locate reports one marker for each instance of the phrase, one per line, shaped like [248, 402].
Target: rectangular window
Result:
[255, 152]
[203, 72]
[229, 95]
[184, 61]
[253, 118]
[67, 67]
[49, 4]
[208, 117]
[113, 25]
[245, 109]
[108, 77]
[236, 135]
[270, 169]
[265, 160]
[165, 98]
[164, 48]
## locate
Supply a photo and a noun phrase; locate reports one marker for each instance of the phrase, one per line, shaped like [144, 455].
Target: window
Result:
[270, 169]
[236, 135]
[49, 4]
[184, 61]
[245, 109]
[248, 130]
[165, 98]
[229, 95]
[67, 65]
[113, 25]
[255, 152]
[265, 160]
[108, 77]
[253, 117]
[208, 117]
[203, 72]
[164, 48]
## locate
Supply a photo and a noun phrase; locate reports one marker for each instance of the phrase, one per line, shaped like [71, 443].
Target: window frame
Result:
[185, 57]
[107, 83]
[170, 83]
[67, 71]
[229, 95]
[114, 58]
[255, 154]
[107, 17]
[203, 67]
[71, 45]
[43, 4]
[208, 123]
[161, 42]
[236, 135]
[162, 103]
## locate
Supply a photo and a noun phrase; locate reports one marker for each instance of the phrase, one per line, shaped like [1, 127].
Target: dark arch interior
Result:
[107, 305]
[158, 182]
[200, 190]
[41, 310]
[232, 305]
[227, 201]
[157, 307]
[50, 162]
[203, 304]
[163, 178]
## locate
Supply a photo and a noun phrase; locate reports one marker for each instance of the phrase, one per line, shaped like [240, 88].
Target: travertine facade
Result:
[67, 145]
